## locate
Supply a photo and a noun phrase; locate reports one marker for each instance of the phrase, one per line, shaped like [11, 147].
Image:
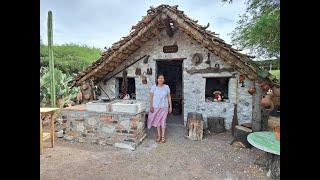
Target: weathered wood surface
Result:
[270, 163]
[240, 135]
[216, 124]
[209, 70]
[264, 119]
[256, 109]
[234, 119]
[195, 126]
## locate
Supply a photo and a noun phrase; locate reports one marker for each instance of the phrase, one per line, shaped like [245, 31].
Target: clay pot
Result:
[252, 90]
[242, 77]
[276, 131]
[266, 101]
[276, 91]
[264, 86]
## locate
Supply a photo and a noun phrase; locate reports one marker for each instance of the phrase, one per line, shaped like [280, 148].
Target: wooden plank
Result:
[256, 109]
[41, 138]
[52, 130]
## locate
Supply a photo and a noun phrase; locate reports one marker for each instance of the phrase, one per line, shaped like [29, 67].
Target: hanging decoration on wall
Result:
[144, 79]
[197, 59]
[138, 72]
[217, 66]
[242, 77]
[208, 60]
[252, 90]
[145, 60]
[170, 49]
[264, 86]
[149, 71]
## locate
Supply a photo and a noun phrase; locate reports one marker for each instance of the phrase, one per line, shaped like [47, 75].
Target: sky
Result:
[100, 23]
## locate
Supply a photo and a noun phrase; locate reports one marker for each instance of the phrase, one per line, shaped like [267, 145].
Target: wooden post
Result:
[41, 136]
[51, 62]
[256, 109]
[52, 129]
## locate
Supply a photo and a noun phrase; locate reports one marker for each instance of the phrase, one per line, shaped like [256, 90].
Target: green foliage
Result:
[69, 58]
[265, 64]
[259, 28]
[61, 87]
[276, 73]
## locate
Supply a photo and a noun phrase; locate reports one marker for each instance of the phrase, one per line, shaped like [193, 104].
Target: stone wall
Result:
[118, 129]
[193, 84]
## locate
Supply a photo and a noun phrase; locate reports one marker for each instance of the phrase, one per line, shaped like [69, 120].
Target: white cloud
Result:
[101, 23]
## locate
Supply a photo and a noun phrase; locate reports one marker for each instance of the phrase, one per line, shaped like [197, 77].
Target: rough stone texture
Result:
[193, 85]
[103, 128]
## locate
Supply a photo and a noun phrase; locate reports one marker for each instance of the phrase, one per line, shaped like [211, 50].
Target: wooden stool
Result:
[195, 126]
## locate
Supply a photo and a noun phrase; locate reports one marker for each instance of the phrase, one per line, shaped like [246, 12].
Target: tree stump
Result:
[240, 135]
[195, 126]
[216, 124]
[270, 162]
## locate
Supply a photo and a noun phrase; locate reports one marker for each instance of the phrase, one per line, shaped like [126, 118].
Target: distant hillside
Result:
[70, 58]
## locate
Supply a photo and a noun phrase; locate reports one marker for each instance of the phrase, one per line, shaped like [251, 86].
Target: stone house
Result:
[195, 63]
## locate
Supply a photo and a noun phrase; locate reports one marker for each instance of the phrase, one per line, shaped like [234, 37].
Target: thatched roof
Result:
[150, 26]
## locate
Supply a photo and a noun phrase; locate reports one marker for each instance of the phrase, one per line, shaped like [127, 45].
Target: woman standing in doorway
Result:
[160, 106]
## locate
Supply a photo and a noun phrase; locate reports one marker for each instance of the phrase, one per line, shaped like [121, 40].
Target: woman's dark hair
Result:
[158, 75]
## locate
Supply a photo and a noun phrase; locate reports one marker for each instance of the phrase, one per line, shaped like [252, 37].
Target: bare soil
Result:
[178, 158]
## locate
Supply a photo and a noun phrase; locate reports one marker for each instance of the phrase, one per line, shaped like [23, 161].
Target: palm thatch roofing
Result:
[150, 26]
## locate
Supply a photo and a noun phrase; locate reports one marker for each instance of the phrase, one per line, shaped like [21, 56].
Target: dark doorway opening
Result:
[172, 70]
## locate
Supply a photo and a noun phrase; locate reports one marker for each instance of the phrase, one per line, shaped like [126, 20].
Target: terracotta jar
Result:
[276, 131]
[264, 86]
[252, 90]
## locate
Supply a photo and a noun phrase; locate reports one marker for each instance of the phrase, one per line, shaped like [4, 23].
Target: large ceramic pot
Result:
[266, 102]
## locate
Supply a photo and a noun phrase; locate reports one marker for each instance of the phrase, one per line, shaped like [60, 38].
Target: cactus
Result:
[51, 62]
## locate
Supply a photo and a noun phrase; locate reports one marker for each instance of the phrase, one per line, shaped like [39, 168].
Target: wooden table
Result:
[267, 142]
[43, 112]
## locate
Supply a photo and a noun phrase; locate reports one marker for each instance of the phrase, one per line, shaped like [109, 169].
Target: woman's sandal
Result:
[163, 139]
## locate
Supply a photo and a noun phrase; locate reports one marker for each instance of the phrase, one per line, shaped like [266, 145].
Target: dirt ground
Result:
[178, 158]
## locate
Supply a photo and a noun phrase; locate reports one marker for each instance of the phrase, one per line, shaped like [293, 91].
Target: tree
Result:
[259, 28]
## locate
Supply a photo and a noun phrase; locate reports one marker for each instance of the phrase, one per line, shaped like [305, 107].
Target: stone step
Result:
[126, 145]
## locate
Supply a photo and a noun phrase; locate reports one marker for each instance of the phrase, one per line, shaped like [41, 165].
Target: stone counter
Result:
[122, 130]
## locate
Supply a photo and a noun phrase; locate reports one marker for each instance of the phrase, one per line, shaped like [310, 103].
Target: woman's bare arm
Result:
[170, 102]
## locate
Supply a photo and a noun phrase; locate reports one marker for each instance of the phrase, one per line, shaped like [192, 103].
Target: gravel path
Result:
[178, 158]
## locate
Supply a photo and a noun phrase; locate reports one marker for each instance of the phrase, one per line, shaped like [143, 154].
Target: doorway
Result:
[172, 70]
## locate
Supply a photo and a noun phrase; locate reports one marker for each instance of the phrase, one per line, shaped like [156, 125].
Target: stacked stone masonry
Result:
[193, 84]
[103, 128]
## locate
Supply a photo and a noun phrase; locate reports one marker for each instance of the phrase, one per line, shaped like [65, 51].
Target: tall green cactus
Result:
[51, 62]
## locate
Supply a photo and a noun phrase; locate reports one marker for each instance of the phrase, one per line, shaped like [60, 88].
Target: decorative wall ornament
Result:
[197, 59]
[138, 71]
[170, 49]
[149, 71]
[252, 90]
[145, 60]
[217, 66]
